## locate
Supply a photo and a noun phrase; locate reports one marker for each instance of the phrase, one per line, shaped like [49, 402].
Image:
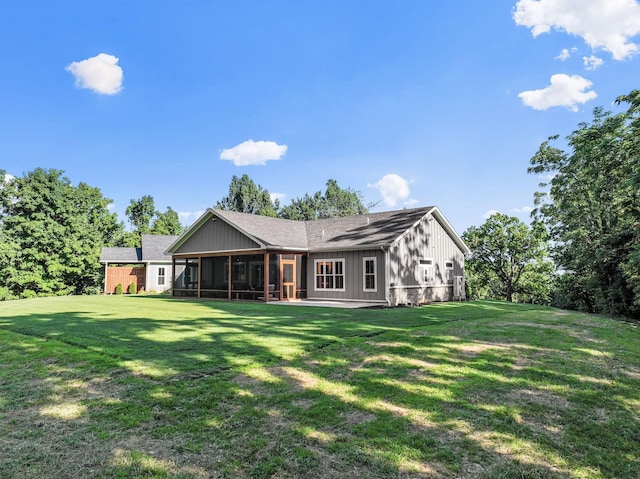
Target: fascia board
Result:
[452, 232]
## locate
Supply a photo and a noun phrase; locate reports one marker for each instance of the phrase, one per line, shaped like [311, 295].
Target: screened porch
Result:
[241, 276]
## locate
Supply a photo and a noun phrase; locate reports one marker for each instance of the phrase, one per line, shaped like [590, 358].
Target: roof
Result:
[153, 249]
[267, 231]
[371, 230]
[368, 230]
[121, 255]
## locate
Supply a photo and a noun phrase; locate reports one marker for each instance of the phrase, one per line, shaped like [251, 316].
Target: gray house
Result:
[410, 256]
[148, 267]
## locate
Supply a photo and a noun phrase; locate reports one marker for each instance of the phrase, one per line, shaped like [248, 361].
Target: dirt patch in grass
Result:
[541, 397]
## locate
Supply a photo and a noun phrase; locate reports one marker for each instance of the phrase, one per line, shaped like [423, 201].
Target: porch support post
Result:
[280, 286]
[173, 275]
[199, 274]
[266, 277]
[229, 279]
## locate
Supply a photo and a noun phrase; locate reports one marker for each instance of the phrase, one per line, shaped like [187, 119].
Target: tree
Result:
[591, 207]
[245, 196]
[506, 256]
[146, 219]
[167, 223]
[140, 213]
[335, 202]
[52, 233]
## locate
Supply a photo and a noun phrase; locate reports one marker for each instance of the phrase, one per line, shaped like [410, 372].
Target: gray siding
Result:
[353, 276]
[216, 236]
[428, 240]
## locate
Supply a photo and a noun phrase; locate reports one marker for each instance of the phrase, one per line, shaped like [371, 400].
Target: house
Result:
[148, 267]
[409, 256]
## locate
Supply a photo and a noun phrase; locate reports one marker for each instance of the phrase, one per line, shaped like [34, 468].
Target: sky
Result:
[413, 103]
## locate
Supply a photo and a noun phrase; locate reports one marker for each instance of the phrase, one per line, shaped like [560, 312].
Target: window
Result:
[369, 274]
[161, 276]
[426, 269]
[448, 265]
[329, 274]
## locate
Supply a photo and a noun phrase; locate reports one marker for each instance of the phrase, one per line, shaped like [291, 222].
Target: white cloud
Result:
[524, 209]
[489, 214]
[277, 196]
[188, 217]
[100, 74]
[564, 90]
[8, 178]
[592, 62]
[605, 24]
[566, 53]
[393, 188]
[253, 152]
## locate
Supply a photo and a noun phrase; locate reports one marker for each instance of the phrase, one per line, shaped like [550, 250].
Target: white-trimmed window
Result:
[161, 276]
[329, 274]
[369, 272]
[448, 266]
[426, 270]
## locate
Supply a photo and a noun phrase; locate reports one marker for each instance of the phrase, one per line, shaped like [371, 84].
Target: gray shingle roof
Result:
[154, 246]
[121, 255]
[372, 229]
[271, 232]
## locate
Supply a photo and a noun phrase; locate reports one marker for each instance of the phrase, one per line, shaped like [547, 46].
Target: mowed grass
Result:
[144, 386]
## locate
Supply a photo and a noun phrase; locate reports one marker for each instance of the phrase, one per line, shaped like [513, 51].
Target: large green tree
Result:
[51, 233]
[508, 259]
[146, 219]
[167, 223]
[334, 202]
[591, 207]
[245, 196]
[141, 212]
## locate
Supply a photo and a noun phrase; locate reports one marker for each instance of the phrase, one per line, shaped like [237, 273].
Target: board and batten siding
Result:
[215, 236]
[428, 240]
[353, 276]
[152, 277]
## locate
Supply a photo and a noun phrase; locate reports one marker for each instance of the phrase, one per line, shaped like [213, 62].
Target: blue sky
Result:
[413, 103]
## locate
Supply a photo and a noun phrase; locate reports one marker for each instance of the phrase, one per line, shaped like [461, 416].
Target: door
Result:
[288, 275]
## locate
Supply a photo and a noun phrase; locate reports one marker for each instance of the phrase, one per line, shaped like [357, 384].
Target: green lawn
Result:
[147, 386]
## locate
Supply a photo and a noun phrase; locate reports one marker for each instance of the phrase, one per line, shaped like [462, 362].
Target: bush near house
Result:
[119, 288]
[132, 288]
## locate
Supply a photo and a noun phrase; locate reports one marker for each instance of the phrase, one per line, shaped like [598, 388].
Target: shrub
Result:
[5, 294]
[119, 288]
[132, 288]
